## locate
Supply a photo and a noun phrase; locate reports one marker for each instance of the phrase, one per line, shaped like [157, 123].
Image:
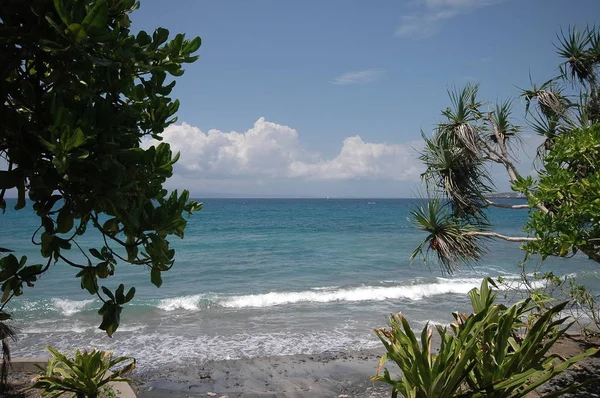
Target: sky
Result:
[329, 98]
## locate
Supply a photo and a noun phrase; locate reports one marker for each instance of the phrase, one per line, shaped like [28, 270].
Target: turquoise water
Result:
[258, 277]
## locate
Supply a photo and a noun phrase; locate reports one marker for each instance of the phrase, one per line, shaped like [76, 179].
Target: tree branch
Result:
[500, 236]
[513, 173]
[505, 206]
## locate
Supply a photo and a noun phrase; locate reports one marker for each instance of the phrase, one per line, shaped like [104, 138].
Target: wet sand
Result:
[330, 374]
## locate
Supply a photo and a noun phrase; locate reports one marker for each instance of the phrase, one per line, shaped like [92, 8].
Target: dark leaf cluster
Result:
[78, 94]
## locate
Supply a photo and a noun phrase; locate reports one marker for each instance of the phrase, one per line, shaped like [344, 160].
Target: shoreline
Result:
[328, 374]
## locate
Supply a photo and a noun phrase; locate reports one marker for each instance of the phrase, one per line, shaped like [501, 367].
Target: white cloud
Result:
[429, 21]
[270, 151]
[363, 76]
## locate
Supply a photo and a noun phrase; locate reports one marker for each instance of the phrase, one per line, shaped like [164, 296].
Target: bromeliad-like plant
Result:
[480, 355]
[85, 375]
[423, 373]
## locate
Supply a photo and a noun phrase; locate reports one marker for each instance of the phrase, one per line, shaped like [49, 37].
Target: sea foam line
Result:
[323, 295]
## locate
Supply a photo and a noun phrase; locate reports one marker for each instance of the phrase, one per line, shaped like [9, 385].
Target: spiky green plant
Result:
[450, 238]
[84, 375]
[480, 355]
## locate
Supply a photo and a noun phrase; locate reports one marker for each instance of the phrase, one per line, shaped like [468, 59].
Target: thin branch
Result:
[7, 300]
[513, 173]
[505, 206]
[500, 236]
[492, 158]
[71, 263]
[103, 232]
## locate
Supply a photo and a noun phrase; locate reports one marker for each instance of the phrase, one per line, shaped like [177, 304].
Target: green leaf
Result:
[192, 45]
[119, 296]
[78, 32]
[108, 293]
[130, 295]
[97, 18]
[62, 11]
[160, 36]
[102, 270]
[96, 253]
[64, 221]
[155, 277]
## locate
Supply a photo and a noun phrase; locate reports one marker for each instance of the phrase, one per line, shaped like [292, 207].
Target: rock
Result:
[211, 394]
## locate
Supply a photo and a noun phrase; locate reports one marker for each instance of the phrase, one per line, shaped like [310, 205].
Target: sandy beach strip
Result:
[330, 374]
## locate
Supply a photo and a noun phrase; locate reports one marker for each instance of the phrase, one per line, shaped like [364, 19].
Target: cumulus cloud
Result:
[363, 76]
[269, 151]
[436, 12]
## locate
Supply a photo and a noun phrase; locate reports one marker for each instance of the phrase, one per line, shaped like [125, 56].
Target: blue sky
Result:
[328, 98]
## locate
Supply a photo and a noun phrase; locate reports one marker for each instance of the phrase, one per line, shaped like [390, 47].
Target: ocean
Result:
[265, 277]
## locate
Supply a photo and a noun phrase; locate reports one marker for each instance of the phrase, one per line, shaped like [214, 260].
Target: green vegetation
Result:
[86, 375]
[78, 93]
[563, 203]
[485, 354]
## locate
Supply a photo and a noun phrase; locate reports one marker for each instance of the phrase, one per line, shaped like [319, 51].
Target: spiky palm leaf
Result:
[460, 175]
[451, 240]
[462, 124]
[501, 120]
[580, 63]
[549, 97]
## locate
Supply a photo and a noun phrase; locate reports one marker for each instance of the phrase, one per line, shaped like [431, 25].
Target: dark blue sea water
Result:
[262, 277]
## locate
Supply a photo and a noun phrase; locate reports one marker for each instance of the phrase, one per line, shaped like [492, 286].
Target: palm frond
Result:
[548, 96]
[579, 64]
[455, 171]
[501, 119]
[448, 237]
[462, 120]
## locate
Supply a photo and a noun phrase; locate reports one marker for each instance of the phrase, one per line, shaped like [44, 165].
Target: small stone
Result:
[343, 396]
[223, 396]
[211, 394]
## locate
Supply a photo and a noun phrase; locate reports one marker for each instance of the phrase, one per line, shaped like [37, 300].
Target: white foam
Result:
[328, 294]
[157, 349]
[70, 307]
[190, 303]
[353, 294]
[64, 329]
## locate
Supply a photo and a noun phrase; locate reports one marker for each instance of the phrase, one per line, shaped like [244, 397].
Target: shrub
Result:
[85, 375]
[486, 354]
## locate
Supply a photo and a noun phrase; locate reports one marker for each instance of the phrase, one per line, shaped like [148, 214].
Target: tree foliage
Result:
[563, 200]
[78, 92]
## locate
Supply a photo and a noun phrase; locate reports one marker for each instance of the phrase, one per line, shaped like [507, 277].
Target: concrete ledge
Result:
[122, 389]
